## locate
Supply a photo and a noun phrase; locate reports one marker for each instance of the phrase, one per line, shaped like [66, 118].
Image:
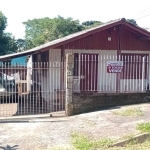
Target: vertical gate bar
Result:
[33, 86]
[84, 62]
[59, 79]
[8, 82]
[147, 72]
[127, 76]
[38, 107]
[1, 102]
[136, 62]
[56, 78]
[18, 90]
[15, 90]
[143, 72]
[116, 78]
[124, 73]
[94, 71]
[48, 83]
[106, 75]
[40, 88]
[53, 84]
[133, 72]
[23, 73]
[91, 72]
[20, 86]
[87, 71]
[61, 96]
[27, 86]
[109, 76]
[101, 73]
[37, 85]
[130, 70]
[139, 78]
[81, 72]
[44, 83]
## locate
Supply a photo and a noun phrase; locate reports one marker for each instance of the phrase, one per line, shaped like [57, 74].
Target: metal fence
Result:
[111, 73]
[32, 88]
[37, 88]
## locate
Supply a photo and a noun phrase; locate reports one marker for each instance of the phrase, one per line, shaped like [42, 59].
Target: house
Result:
[113, 57]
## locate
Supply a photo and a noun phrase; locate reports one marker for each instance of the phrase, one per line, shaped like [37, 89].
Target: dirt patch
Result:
[50, 132]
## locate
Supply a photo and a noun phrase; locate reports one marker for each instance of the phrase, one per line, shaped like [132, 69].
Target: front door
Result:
[86, 67]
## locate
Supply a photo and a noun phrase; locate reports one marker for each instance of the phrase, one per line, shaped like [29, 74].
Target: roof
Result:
[75, 36]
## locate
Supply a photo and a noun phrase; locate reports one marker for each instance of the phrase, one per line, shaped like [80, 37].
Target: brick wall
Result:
[84, 102]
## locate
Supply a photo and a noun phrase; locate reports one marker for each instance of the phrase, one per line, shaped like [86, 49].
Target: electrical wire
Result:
[141, 12]
[142, 17]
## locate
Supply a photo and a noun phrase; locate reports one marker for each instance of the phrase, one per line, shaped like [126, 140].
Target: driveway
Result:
[45, 133]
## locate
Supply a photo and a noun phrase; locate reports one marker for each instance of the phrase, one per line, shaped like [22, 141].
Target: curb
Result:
[139, 139]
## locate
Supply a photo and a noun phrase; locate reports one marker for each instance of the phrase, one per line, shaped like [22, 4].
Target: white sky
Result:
[18, 11]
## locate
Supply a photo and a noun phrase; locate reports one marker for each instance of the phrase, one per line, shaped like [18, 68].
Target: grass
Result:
[129, 112]
[144, 127]
[81, 142]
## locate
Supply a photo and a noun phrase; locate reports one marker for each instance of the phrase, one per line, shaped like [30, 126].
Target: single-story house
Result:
[112, 57]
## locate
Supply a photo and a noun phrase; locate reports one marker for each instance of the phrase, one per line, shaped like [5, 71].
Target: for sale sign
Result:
[114, 66]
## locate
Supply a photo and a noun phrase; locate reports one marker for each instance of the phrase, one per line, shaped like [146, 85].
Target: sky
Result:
[18, 11]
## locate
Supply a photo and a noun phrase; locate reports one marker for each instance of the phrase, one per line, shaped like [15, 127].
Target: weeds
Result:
[129, 112]
[144, 127]
[81, 142]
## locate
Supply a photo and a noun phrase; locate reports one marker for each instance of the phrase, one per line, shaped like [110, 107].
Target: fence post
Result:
[69, 83]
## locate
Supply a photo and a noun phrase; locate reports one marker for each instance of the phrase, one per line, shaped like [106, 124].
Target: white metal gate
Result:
[32, 88]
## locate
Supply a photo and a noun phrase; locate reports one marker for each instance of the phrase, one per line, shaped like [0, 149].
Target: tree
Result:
[90, 24]
[7, 44]
[7, 40]
[21, 45]
[40, 31]
[3, 23]
[132, 21]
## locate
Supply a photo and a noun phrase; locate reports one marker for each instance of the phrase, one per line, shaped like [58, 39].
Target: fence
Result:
[33, 88]
[37, 88]
[111, 73]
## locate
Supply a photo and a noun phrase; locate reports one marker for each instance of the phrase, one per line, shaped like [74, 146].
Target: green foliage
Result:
[90, 24]
[7, 40]
[144, 127]
[40, 31]
[129, 112]
[21, 45]
[3, 22]
[132, 21]
[81, 142]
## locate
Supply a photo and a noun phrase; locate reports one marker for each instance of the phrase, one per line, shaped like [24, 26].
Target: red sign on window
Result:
[114, 66]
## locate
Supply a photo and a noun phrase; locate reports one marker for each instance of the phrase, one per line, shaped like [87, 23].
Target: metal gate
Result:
[32, 88]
